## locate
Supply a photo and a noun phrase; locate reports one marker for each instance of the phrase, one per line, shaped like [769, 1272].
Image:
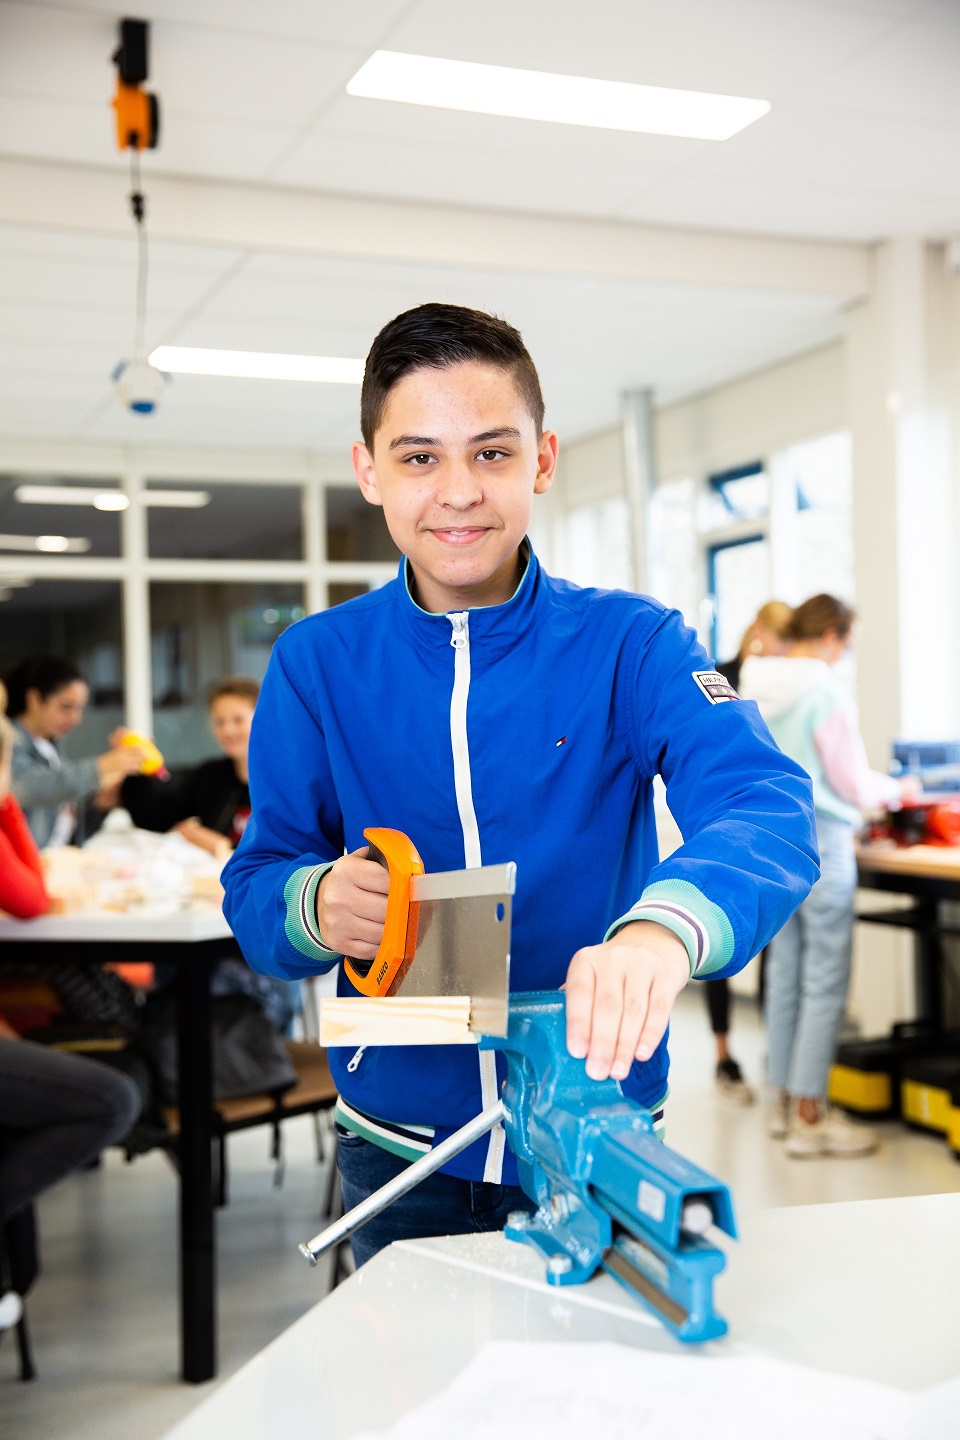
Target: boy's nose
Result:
[459, 488]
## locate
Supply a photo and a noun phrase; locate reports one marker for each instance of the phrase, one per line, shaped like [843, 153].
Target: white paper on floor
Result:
[575, 1391]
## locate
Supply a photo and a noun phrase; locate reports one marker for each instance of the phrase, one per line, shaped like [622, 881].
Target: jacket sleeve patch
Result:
[715, 686]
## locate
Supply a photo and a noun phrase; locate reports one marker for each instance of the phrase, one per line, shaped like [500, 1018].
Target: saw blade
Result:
[463, 941]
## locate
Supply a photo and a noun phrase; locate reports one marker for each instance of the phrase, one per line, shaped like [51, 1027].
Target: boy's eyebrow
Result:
[503, 432]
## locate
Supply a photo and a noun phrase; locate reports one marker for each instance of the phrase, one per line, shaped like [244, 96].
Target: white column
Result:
[639, 474]
[904, 507]
[136, 603]
[315, 538]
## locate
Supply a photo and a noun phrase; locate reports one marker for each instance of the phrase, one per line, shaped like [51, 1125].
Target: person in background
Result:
[57, 1111]
[813, 719]
[47, 697]
[210, 806]
[765, 635]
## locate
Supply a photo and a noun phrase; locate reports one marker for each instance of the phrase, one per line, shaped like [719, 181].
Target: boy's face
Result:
[456, 462]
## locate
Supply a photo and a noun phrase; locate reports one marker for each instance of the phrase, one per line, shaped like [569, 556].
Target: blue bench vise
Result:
[608, 1193]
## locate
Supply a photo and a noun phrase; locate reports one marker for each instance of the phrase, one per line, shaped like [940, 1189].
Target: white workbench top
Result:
[866, 1289]
[204, 922]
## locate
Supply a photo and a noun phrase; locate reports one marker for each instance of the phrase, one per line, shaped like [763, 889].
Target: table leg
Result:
[198, 1305]
[929, 966]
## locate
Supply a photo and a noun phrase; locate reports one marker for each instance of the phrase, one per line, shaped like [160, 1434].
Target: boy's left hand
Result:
[619, 997]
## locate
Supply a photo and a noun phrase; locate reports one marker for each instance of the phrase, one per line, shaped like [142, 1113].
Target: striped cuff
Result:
[681, 908]
[300, 926]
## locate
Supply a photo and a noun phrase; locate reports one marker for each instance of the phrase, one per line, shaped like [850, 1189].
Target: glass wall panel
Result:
[356, 530]
[40, 507]
[597, 544]
[201, 632]
[338, 592]
[740, 576]
[80, 619]
[224, 522]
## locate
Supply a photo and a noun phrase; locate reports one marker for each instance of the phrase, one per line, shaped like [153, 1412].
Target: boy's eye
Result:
[418, 460]
[491, 454]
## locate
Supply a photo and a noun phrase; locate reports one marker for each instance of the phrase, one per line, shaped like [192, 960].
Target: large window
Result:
[157, 587]
[224, 522]
[781, 528]
[200, 632]
[80, 619]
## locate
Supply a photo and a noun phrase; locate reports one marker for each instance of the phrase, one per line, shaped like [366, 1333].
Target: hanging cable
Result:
[138, 206]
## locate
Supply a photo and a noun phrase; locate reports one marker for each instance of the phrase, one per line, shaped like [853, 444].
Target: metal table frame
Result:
[193, 949]
[923, 919]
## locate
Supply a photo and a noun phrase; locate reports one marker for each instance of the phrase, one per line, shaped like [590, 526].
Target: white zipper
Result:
[463, 785]
[354, 1064]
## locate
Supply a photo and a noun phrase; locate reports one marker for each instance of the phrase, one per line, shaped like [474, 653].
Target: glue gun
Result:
[608, 1193]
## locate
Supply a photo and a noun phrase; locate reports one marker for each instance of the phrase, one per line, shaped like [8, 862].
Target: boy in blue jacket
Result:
[493, 713]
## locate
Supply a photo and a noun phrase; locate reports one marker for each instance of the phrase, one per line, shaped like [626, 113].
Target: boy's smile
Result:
[456, 462]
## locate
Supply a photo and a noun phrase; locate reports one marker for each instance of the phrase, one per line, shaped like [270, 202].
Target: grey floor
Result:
[104, 1311]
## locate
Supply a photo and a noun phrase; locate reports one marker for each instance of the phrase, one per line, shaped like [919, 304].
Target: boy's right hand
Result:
[352, 905]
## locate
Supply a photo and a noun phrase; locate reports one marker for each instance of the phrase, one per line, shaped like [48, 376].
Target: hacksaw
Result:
[447, 933]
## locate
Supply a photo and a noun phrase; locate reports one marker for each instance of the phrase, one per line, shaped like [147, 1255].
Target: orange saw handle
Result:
[382, 975]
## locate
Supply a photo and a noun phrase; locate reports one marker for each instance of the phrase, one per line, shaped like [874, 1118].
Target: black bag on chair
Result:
[249, 1057]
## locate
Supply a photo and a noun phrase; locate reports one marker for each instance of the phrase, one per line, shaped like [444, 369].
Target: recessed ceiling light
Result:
[111, 500]
[257, 365]
[55, 544]
[561, 99]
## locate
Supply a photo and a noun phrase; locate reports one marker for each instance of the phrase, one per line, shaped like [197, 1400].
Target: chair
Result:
[314, 1094]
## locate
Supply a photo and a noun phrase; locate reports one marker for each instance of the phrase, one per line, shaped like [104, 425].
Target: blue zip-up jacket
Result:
[529, 731]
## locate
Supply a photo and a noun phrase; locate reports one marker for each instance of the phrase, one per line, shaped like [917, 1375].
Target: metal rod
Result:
[482, 1124]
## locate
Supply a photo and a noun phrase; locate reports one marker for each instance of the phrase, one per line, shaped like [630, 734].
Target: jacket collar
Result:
[497, 627]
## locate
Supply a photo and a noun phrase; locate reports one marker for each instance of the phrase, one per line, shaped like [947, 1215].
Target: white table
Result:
[192, 940]
[866, 1289]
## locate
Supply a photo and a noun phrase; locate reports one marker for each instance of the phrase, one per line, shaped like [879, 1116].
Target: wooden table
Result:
[931, 874]
[192, 940]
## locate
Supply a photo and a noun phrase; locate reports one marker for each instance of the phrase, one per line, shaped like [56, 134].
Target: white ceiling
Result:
[862, 142]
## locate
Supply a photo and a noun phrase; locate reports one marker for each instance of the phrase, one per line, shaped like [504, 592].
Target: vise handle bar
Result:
[481, 1124]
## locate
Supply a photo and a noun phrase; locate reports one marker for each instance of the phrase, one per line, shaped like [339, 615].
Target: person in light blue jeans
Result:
[813, 720]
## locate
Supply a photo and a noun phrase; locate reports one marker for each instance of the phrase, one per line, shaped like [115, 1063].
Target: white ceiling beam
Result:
[269, 218]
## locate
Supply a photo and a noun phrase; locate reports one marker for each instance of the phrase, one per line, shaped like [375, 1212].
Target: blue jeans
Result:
[808, 971]
[440, 1205]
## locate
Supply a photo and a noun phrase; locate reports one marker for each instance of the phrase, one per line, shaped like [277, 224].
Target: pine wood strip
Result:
[396, 1020]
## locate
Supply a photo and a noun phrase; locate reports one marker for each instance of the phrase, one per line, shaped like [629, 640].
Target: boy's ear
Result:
[546, 461]
[366, 476]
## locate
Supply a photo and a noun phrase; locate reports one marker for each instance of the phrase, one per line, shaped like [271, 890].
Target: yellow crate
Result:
[925, 1105]
[953, 1128]
[867, 1091]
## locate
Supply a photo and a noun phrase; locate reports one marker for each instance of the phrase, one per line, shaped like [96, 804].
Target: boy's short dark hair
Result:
[433, 337]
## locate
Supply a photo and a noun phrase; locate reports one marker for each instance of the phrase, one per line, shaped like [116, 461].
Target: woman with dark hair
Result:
[765, 635]
[47, 696]
[813, 720]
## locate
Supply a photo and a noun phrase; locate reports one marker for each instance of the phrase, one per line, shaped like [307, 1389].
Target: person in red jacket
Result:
[22, 889]
[57, 1111]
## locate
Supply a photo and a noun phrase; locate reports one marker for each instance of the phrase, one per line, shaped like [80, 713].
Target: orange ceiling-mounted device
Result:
[137, 110]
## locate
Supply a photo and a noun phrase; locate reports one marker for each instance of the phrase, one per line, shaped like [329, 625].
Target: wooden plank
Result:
[396, 1020]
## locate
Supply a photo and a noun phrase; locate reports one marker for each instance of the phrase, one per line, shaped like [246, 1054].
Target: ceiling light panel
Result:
[257, 365]
[559, 99]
